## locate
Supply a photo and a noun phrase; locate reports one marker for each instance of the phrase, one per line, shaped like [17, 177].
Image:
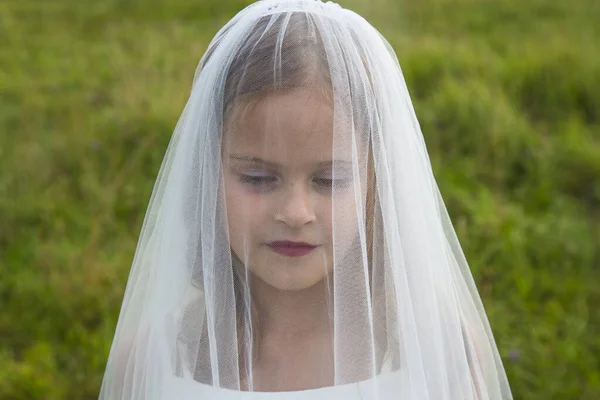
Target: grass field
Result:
[508, 96]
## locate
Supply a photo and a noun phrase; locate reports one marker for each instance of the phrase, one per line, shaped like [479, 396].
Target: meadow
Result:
[508, 97]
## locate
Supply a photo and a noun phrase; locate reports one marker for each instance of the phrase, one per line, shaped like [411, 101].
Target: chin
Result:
[291, 275]
[292, 286]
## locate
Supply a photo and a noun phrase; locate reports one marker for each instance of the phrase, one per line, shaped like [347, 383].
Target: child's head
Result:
[287, 122]
[288, 158]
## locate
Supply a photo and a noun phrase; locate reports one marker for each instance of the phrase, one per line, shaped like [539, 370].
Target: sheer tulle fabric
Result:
[299, 127]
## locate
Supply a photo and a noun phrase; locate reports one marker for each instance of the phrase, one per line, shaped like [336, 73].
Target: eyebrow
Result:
[272, 164]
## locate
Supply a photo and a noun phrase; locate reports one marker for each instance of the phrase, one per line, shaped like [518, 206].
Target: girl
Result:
[296, 244]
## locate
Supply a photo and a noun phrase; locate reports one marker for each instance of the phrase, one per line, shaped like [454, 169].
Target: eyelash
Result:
[257, 179]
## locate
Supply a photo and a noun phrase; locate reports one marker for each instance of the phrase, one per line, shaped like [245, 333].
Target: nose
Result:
[296, 209]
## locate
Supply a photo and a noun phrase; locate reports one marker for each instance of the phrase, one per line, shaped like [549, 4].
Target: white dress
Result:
[387, 385]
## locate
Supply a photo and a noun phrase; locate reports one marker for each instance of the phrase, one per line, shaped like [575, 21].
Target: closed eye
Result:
[329, 182]
[257, 180]
[324, 181]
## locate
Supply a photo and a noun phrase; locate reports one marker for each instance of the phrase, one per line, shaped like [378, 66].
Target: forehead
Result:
[289, 128]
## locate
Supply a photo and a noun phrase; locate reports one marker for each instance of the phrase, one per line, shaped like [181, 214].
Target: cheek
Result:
[346, 223]
[245, 211]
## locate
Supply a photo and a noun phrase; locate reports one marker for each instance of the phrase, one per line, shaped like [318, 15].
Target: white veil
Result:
[296, 238]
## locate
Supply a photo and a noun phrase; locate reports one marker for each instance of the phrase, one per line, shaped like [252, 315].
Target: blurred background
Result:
[508, 96]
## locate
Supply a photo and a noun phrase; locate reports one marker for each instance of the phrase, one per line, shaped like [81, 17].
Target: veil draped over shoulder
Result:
[296, 242]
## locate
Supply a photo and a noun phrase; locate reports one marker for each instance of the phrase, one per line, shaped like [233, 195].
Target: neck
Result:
[291, 314]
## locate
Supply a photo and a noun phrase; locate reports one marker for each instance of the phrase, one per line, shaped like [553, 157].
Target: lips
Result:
[291, 249]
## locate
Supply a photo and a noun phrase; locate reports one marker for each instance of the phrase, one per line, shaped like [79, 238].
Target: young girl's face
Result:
[278, 161]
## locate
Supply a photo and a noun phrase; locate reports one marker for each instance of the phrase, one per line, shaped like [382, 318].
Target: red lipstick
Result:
[291, 249]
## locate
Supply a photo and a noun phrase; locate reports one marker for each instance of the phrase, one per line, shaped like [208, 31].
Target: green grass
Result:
[508, 96]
